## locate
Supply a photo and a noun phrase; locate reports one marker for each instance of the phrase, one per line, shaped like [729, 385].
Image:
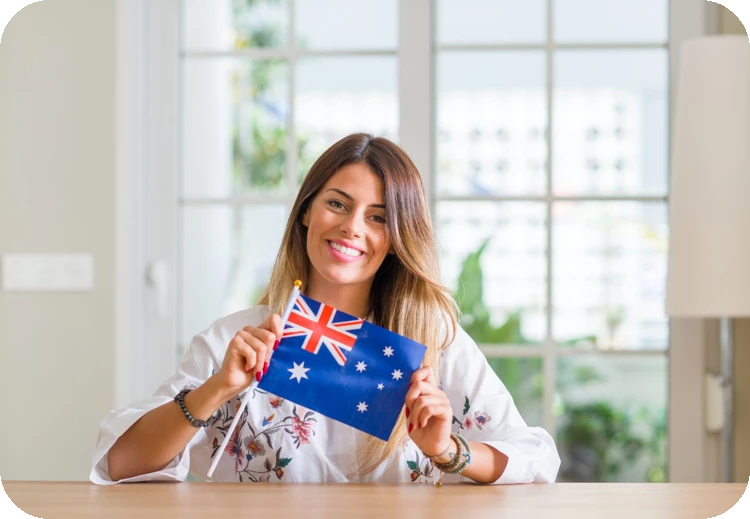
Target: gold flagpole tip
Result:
[297, 283]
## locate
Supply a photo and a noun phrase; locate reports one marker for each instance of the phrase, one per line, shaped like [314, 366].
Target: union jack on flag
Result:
[327, 327]
[366, 385]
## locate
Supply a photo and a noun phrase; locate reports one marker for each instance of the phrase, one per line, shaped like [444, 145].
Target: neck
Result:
[354, 299]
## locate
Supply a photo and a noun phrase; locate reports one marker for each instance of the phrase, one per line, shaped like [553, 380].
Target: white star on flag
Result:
[298, 371]
[380, 386]
[397, 374]
[361, 366]
[362, 407]
[388, 351]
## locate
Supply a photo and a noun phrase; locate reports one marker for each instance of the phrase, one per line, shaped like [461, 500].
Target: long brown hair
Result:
[406, 296]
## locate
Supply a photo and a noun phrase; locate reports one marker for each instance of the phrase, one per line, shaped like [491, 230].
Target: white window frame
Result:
[147, 202]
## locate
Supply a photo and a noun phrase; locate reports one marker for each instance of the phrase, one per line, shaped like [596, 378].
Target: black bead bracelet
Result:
[180, 399]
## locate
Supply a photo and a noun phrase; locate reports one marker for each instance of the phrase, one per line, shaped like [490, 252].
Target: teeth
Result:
[345, 250]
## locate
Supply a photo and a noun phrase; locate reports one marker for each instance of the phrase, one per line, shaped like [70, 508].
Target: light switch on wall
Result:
[47, 272]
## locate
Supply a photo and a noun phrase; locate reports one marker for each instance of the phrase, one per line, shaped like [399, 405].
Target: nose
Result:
[353, 224]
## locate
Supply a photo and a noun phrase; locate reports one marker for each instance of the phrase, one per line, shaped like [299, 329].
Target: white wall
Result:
[57, 195]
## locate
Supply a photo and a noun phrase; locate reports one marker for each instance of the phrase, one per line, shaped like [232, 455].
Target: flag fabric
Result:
[343, 367]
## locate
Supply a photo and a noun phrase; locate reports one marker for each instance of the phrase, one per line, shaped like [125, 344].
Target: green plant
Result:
[602, 442]
[475, 316]
[598, 440]
[261, 154]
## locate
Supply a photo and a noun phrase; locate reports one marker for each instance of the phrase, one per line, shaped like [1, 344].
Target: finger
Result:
[261, 350]
[430, 407]
[244, 351]
[262, 335]
[268, 339]
[273, 324]
[425, 373]
[276, 326]
[418, 389]
[418, 409]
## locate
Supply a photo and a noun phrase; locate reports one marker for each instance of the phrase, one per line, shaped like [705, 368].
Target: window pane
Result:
[611, 20]
[227, 257]
[234, 126]
[339, 96]
[609, 272]
[346, 24]
[524, 379]
[491, 21]
[492, 119]
[500, 286]
[610, 122]
[234, 24]
[612, 418]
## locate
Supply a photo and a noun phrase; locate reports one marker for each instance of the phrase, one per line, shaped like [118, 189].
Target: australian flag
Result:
[343, 367]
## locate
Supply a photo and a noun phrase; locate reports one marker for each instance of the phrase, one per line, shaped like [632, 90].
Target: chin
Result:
[341, 276]
[344, 278]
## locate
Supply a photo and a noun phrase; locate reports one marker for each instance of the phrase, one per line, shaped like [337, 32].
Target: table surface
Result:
[50, 500]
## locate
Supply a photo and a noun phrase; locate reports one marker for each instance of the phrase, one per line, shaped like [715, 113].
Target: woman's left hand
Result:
[429, 413]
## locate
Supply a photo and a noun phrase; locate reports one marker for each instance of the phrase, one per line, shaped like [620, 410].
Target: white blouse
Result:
[278, 441]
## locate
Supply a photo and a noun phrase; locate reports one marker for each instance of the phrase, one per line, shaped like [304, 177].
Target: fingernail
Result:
[258, 375]
[407, 412]
[276, 344]
[411, 426]
[265, 368]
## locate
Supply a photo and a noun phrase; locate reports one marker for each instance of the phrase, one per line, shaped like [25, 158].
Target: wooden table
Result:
[298, 501]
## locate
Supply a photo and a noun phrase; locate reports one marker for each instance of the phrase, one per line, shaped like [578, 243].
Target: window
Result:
[551, 187]
[548, 178]
[267, 86]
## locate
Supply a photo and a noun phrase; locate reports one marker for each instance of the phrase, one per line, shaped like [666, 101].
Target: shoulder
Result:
[221, 331]
[461, 356]
[461, 343]
[238, 320]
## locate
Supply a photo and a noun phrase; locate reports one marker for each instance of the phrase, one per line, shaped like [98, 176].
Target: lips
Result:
[345, 248]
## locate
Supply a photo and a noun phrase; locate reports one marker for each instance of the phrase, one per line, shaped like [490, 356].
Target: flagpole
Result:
[254, 383]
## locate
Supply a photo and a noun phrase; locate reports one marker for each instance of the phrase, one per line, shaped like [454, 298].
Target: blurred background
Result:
[162, 143]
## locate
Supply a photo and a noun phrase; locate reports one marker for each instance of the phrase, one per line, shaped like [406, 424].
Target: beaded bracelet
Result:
[459, 462]
[180, 399]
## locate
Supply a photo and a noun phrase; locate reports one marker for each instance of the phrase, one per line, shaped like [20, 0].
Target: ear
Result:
[306, 217]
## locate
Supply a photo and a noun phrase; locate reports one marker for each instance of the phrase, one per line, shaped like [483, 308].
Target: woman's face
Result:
[347, 237]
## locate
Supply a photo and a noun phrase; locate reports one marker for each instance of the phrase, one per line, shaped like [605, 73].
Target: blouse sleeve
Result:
[204, 356]
[484, 412]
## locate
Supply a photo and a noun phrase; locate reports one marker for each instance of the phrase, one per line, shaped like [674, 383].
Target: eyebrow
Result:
[349, 197]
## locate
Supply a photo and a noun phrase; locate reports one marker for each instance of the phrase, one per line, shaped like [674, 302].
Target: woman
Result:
[360, 238]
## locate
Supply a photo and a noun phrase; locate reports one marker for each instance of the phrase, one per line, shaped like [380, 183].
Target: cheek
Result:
[382, 245]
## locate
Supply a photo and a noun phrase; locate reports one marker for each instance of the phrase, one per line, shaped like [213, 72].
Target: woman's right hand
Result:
[248, 354]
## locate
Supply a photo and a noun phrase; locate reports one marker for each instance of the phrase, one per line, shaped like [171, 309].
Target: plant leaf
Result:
[283, 462]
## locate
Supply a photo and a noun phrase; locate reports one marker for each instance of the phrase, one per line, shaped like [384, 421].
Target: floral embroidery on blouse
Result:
[479, 419]
[259, 444]
[421, 468]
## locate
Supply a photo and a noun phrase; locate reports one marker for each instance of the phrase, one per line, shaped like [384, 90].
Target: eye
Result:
[336, 204]
[378, 218]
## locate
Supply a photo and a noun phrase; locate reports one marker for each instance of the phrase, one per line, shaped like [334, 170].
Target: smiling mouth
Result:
[347, 251]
